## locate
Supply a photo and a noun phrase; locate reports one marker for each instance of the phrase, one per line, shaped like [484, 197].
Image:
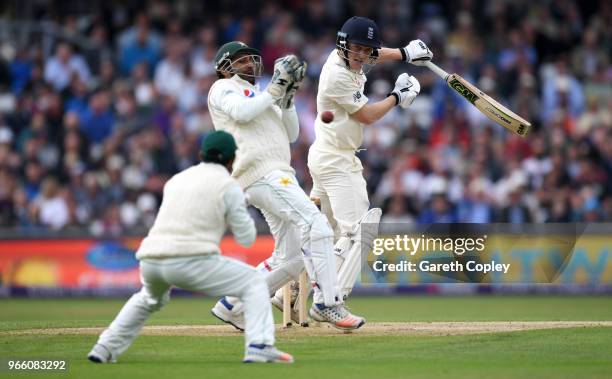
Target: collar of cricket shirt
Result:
[340, 62]
[245, 83]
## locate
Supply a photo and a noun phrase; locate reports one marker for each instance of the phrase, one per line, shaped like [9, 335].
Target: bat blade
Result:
[483, 102]
[489, 106]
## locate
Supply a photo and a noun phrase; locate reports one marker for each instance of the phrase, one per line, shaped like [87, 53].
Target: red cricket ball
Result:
[327, 117]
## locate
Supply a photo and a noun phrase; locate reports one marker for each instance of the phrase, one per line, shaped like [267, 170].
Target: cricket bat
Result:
[486, 104]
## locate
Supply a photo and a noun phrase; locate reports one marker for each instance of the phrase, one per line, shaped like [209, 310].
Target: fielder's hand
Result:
[284, 69]
[417, 53]
[298, 76]
[406, 89]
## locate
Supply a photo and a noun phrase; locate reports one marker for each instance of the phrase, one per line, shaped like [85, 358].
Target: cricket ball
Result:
[327, 117]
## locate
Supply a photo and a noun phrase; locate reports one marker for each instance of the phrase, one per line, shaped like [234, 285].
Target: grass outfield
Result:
[551, 353]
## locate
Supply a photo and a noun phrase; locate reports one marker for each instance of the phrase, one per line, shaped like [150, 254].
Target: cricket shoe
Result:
[100, 354]
[338, 316]
[277, 300]
[228, 313]
[266, 354]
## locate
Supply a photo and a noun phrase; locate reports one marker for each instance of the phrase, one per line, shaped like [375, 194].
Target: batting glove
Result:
[284, 69]
[406, 88]
[298, 76]
[416, 52]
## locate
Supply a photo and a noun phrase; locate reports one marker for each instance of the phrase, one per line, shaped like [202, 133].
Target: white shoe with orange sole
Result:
[338, 316]
[266, 354]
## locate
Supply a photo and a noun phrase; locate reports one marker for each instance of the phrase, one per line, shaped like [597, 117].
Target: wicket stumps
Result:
[301, 303]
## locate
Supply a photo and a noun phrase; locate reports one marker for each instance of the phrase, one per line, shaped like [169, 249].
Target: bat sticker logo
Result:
[463, 90]
[499, 115]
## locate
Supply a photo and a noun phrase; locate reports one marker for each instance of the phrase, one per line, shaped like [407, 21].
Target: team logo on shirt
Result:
[356, 96]
[285, 181]
[249, 93]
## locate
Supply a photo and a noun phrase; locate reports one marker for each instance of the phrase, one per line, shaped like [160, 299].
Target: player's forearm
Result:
[291, 123]
[239, 220]
[386, 54]
[244, 109]
[372, 112]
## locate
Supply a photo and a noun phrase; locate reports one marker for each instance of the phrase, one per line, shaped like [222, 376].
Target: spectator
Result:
[21, 69]
[60, 68]
[516, 212]
[49, 208]
[142, 49]
[170, 74]
[439, 210]
[97, 121]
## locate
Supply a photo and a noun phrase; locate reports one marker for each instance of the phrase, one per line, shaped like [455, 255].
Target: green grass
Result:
[559, 353]
[44, 313]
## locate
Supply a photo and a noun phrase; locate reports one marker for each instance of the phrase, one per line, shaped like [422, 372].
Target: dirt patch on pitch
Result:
[370, 329]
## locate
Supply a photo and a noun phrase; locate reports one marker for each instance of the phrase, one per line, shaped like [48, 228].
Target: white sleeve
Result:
[239, 107]
[237, 217]
[292, 123]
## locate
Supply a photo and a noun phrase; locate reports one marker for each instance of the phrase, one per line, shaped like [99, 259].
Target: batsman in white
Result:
[182, 249]
[338, 181]
[264, 124]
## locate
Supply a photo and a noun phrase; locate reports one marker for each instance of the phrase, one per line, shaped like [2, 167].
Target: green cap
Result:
[230, 49]
[218, 147]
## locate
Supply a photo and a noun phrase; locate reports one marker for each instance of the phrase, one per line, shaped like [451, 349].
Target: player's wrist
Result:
[396, 96]
[403, 53]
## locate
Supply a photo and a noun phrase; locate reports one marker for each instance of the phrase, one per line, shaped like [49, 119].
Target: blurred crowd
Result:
[100, 106]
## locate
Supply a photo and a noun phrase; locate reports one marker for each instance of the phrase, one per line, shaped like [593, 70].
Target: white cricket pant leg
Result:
[286, 261]
[343, 194]
[212, 275]
[338, 181]
[326, 208]
[290, 212]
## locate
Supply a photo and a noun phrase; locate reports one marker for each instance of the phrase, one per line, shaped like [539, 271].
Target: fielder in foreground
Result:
[264, 124]
[182, 249]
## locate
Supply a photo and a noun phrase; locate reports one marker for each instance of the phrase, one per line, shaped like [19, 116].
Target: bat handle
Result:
[437, 70]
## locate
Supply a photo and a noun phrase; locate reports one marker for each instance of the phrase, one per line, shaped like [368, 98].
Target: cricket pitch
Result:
[370, 329]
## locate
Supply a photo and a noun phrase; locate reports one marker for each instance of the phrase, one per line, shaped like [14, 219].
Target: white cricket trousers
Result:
[338, 182]
[212, 275]
[302, 236]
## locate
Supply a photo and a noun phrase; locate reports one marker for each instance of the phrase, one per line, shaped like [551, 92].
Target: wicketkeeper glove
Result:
[284, 68]
[298, 76]
[416, 52]
[406, 88]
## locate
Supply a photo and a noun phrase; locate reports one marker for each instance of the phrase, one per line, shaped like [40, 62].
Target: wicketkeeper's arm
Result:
[238, 106]
[291, 123]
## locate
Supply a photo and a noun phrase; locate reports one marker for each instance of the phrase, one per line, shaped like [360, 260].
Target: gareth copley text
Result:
[427, 266]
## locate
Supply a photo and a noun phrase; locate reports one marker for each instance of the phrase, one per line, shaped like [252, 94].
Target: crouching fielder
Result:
[336, 172]
[182, 249]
